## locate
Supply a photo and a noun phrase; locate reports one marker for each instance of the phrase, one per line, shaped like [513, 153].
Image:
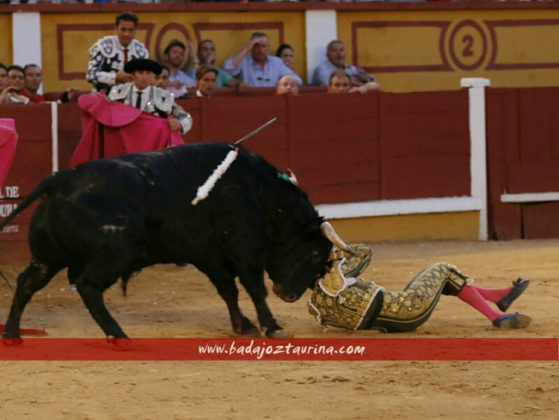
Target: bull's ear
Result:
[307, 217]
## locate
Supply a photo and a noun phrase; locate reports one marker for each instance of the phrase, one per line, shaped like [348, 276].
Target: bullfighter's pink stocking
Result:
[492, 295]
[473, 297]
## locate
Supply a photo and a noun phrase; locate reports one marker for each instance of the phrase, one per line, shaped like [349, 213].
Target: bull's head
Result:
[305, 262]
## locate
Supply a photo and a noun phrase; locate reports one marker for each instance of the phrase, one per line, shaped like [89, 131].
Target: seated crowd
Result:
[192, 72]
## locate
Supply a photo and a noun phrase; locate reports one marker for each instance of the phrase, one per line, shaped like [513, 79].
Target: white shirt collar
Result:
[135, 90]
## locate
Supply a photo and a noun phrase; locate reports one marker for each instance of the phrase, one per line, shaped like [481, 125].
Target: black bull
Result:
[107, 219]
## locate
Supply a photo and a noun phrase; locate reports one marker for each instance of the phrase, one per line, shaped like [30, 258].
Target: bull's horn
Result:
[329, 232]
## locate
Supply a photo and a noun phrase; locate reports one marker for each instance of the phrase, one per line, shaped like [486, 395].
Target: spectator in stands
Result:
[163, 78]
[335, 59]
[255, 67]
[3, 77]
[206, 77]
[287, 54]
[340, 82]
[179, 81]
[31, 83]
[12, 93]
[110, 54]
[206, 54]
[287, 85]
[143, 94]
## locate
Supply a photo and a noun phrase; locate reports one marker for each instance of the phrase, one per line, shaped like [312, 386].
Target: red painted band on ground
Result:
[296, 349]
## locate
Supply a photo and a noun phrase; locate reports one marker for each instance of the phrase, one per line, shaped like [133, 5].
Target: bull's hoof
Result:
[9, 333]
[251, 332]
[248, 329]
[120, 343]
[277, 334]
[12, 342]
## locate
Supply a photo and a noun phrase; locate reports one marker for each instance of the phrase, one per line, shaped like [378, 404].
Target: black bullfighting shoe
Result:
[518, 287]
[354, 265]
[515, 320]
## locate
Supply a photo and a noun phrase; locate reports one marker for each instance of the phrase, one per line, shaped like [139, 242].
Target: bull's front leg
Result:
[230, 294]
[257, 292]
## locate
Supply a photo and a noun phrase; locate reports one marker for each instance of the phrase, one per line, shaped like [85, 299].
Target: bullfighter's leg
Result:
[473, 297]
[33, 278]
[258, 293]
[503, 298]
[92, 296]
[407, 310]
[230, 294]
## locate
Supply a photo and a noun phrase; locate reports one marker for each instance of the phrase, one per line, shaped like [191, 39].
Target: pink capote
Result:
[112, 128]
[8, 142]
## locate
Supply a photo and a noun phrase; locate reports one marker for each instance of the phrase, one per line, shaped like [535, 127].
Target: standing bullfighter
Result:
[150, 119]
[142, 94]
[109, 55]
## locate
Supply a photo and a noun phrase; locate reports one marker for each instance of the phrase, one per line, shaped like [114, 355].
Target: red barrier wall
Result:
[425, 145]
[350, 148]
[334, 143]
[32, 162]
[343, 148]
[523, 157]
[69, 131]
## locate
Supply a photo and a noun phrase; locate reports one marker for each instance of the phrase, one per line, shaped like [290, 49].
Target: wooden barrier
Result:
[343, 148]
[32, 162]
[380, 147]
[523, 160]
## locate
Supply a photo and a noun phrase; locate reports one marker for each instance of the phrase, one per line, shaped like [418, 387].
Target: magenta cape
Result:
[112, 128]
[8, 141]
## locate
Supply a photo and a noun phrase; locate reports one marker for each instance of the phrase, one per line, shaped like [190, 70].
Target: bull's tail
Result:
[44, 187]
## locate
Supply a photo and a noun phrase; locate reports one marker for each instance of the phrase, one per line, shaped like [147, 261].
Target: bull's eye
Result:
[316, 257]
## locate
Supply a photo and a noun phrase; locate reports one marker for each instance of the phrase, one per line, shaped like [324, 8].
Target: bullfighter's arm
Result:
[95, 75]
[183, 117]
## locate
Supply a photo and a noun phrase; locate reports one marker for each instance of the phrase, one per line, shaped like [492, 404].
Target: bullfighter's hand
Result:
[174, 124]
[123, 77]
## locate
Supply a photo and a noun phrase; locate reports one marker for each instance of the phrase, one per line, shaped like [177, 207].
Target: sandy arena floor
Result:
[168, 301]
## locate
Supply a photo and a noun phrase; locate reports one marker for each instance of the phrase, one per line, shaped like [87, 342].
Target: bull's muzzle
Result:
[287, 297]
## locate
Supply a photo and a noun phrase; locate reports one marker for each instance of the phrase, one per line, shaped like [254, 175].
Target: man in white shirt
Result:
[143, 93]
